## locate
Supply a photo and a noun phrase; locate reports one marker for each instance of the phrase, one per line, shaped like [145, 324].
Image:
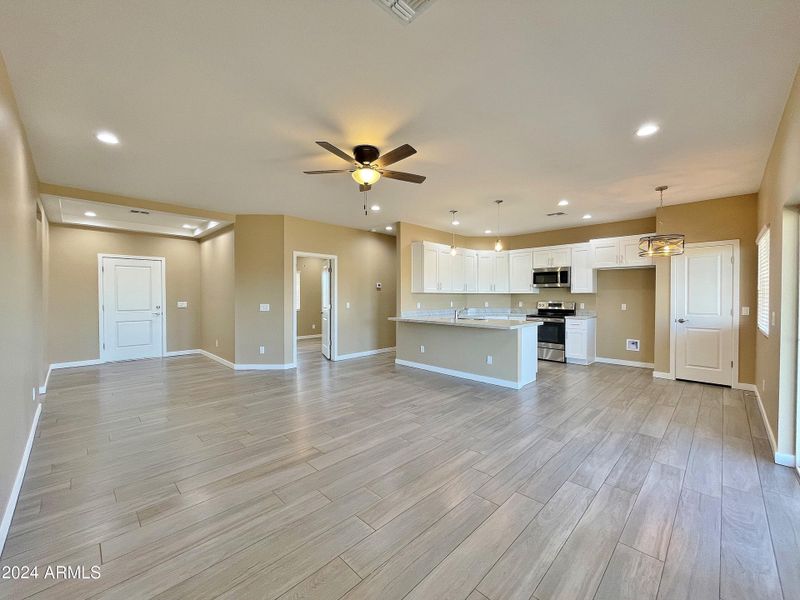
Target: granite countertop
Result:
[468, 322]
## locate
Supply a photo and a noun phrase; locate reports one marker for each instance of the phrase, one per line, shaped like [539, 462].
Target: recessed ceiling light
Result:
[563, 202]
[375, 207]
[647, 129]
[187, 226]
[389, 228]
[107, 137]
[487, 231]
[373, 230]
[587, 216]
[89, 213]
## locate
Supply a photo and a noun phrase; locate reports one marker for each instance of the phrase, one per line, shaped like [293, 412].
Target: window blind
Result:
[763, 282]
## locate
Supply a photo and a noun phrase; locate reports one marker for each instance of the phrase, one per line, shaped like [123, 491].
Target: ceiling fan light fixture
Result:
[366, 175]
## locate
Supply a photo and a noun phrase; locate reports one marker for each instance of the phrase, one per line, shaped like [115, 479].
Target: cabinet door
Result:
[501, 272]
[470, 272]
[430, 269]
[629, 252]
[485, 272]
[445, 266]
[575, 343]
[582, 280]
[458, 272]
[561, 257]
[541, 258]
[606, 253]
[521, 272]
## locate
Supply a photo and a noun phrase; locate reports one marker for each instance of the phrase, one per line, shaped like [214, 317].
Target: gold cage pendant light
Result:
[664, 244]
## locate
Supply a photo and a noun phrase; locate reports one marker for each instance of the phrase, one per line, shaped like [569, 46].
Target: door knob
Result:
[683, 320]
[156, 314]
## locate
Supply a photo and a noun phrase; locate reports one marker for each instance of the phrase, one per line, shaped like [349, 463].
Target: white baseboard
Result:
[8, 514]
[461, 374]
[625, 363]
[747, 387]
[309, 337]
[264, 367]
[181, 352]
[43, 387]
[365, 353]
[787, 460]
[663, 375]
[77, 363]
[219, 359]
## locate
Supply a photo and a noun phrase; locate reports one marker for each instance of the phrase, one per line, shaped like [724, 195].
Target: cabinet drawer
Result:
[579, 325]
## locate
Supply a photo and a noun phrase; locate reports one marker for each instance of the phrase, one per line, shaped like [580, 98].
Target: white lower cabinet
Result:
[581, 340]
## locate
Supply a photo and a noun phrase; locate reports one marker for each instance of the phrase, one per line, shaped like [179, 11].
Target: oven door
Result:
[558, 277]
[552, 331]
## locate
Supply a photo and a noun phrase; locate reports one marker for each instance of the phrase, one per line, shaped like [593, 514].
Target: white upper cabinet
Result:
[520, 263]
[431, 268]
[553, 256]
[470, 259]
[445, 269]
[493, 273]
[583, 279]
[621, 252]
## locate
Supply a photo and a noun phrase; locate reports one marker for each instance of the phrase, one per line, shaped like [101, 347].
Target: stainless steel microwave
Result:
[551, 277]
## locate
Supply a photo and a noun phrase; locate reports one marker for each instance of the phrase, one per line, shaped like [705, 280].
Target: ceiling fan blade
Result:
[364, 188]
[410, 177]
[395, 155]
[334, 150]
[323, 172]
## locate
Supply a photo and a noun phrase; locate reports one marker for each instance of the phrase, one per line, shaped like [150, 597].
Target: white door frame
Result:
[672, 300]
[101, 314]
[334, 326]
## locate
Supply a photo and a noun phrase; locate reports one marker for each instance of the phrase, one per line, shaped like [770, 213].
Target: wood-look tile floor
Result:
[363, 480]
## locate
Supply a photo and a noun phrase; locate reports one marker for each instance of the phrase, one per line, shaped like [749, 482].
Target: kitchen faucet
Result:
[458, 312]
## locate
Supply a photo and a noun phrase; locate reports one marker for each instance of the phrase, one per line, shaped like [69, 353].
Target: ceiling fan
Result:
[369, 166]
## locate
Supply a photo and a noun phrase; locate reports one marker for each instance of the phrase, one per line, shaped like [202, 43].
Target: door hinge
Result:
[731, 260]
[731, 364]
[104, 345]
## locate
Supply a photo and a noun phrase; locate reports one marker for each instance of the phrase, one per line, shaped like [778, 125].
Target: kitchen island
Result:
[499, 352]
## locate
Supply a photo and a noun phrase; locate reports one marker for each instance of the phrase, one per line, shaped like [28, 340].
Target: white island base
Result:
[490, 351]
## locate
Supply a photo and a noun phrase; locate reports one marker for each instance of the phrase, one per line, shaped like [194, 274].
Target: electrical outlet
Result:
[451, 304]
[313, 326]
[263, 307]
[485, 305]
[519, 304]
[261, 349]
[422, 349]
[489, 359]
[582, 306]
[216, 343]
[623, 307]
[632, 345]
[419, 304]
[183, 304]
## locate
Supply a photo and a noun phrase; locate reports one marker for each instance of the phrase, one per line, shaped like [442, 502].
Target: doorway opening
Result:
[132, 314]
[314, 300]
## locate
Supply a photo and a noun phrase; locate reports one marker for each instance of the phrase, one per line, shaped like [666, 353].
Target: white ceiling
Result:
[113, 216]
[218, 104]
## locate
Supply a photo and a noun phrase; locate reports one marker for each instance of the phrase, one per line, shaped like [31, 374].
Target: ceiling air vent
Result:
[556, 214]
[136, 211]
[405, 10]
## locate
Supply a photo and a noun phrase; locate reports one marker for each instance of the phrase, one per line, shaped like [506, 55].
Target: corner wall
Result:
[217, 299]
[23, 244]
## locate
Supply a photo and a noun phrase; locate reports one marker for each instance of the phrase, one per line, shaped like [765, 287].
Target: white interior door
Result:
[704, 314]
[326, 311]
[133, 308]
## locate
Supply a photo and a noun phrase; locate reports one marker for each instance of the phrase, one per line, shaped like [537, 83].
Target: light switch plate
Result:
[422, 349]
[183, 304]
[263, 307]
[623, 307]
[347, 305]
[745, 311]
[519, 304]
[485, 305]
[489, 359]
[261, 349]
[419, 304]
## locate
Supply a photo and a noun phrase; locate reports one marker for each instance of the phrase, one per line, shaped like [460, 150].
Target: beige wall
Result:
[217, 300]
[364, 259]
[777, 200]
[74, 306]
[308, 317]
[712, 220]
[259, 279]
[22, 239]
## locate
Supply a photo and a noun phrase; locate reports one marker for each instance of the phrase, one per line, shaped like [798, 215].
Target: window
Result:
[763, 281]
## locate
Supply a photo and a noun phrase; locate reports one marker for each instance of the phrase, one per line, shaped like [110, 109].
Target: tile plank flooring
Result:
[363, 480]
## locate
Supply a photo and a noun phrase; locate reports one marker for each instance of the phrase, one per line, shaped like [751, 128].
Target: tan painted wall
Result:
[22, 316]
[217, 301]
[712, 220]
[259, 279]
[364, 259]
[777, 199]
[73, 302]
[308, 317]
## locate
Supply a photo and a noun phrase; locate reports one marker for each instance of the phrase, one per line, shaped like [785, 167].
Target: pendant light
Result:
[498, 245]
[453, 222]
[664, 244]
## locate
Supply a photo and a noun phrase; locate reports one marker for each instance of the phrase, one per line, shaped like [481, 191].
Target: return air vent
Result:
[136, 211]
[556, 214]
[405, 10]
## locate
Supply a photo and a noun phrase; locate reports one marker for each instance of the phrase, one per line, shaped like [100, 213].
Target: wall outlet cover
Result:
[263, 307]
[261, 349]
[489, 359]
[422, 349]
[519, 304]
[623, 307]
[313, 326]
[419, 304]
[485, 305]
[183, 304]
[216, 343]
[632, 345]
[582, 306]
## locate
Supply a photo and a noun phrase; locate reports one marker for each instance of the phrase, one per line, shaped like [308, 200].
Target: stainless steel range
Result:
[552, 333]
